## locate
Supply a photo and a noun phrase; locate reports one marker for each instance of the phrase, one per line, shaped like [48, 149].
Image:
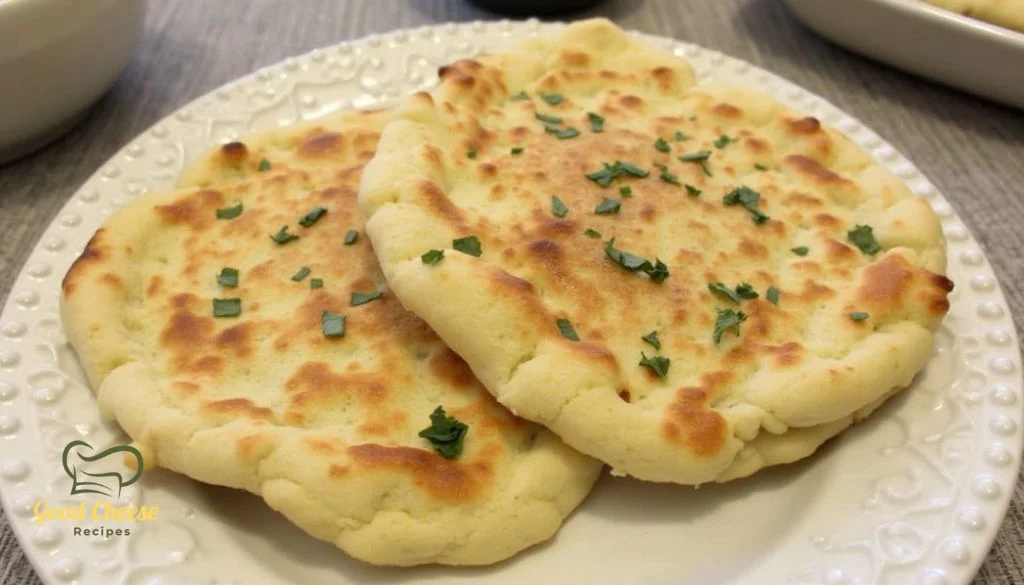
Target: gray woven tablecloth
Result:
[973, 150]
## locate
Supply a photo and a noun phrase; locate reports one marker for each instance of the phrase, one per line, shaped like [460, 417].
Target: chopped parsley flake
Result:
[772, 294]
[699, 156]
[445, 433]
[592, 233]
[669, 178]
[552, 99]
[658, 271]
[692, 191]
[565, 328]
[747, 198]
[721, 289]
[264, 165]
[228, 277]
[760, 167]
[728, 319]
[680, 136]
[863, 237]
[432, 256]
[468, 245]
[626, 191]
[596, 122]
[351, 236]
[227, 307]
[652, 338]
[312, 216]
[315, 283]
[471, 154]
[859, 315]
[745, 291]
[361, 298]
[230, 212]
[301, 274]
[517, 150]
[282, 236]
[800, 250]
[661, 146]
[723, 141]
[520, 97]
[563, 133]
[557, 207]
[548, 119]
[332, 324]
[610, 172]
[608, 206]
[657, 364]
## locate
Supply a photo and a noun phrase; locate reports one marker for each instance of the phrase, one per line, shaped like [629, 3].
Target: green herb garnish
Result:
[315, 283]
[859, 315]
[519, 97]
[596, 122]
[721, 289]
[748, 198]
[264, 165]
[351, 236]
[723, 141]
[608, 206]
[228, 277]
[517, 150]
[552, 99]
[800, 250]
[301, 274]
[557, 207]
[471, 154]
[692, 191]
[332, 324]
[745, 291]
[863, 237]
[563, 133]
[760, 167]
[699, 156]
[772, 294]
[728, 319]
[548, 119]
[626, 191]
[610, 172]
[432, 256]
[661, 146]
[227, 307]
[361, 298]
[230, 212]
[669, 178]
[680, 136]
[468, 245]
[282, 236]
[445, 433]
[657, 364]
[657, 271]
[565, 328]
[652, 338]
[591, 233]
[312, 216]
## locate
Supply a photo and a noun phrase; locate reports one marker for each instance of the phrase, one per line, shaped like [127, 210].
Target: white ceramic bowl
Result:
[57, 57]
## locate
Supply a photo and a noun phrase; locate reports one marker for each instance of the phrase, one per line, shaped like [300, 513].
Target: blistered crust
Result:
[325, 430]
[476, 158]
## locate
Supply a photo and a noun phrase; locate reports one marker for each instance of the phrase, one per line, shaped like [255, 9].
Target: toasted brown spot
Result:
[625, 395]
[238, 338]
[437, 201]
[808, 125]
[785, 355]
[321, 144]
[314, 381]
[519, 132]
[702, 429]
[648, 213]
[322, 446]
[803, 200]
[155, 287]
[886, 281]
[446, 365]
[756, 145]
[186, 388]
[838, 251]
[196, 211]
[575, 58]
[727, 111]
[208, 364]
[752, 249]
[665, 77]
[631, 102]
[489, 170]
[186, 331]
[826, 220]
[238, 406]
[94, 252]
[234, 152]
[336, 470]
[112, 280]
[453, 481]
[813, 170]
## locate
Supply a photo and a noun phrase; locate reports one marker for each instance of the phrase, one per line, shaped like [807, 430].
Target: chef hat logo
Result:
[91, 473]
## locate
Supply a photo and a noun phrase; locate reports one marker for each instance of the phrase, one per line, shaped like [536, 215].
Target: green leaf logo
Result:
[104, 484]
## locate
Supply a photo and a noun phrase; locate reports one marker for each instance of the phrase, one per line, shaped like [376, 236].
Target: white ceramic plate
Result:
[975, 56]
[914, 495]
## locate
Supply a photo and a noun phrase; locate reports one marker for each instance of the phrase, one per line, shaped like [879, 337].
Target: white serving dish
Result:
[57, 57]
[969, 54]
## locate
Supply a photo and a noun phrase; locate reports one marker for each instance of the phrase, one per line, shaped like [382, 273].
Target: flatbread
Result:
[324, 429]
[1005, 13]
[505, 133]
